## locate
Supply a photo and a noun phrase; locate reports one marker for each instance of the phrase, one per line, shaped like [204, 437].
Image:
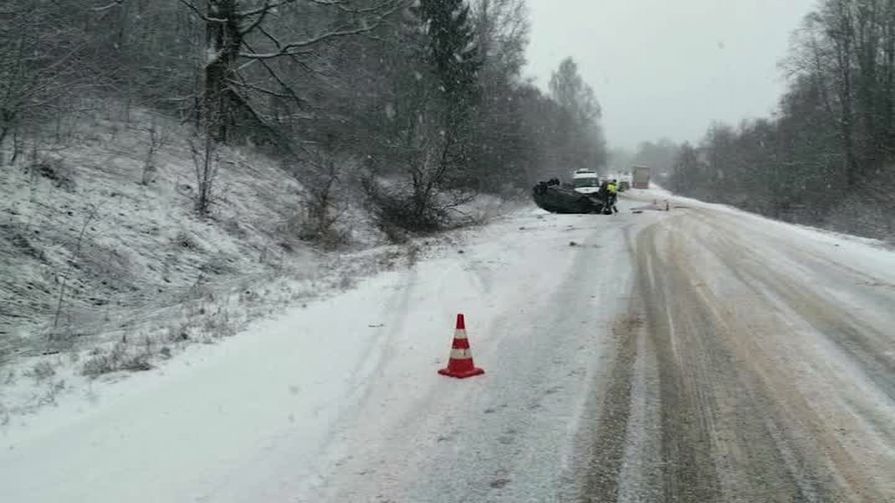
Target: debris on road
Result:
[655, 206]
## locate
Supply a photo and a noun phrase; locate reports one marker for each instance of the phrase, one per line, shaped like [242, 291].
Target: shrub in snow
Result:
[48, 397]
[116, 359]
[179, 333]
[42, 371]
[397, 212]
[56, 171]
[185, 241]
[21, 243]
[218, 325]
[324, 204]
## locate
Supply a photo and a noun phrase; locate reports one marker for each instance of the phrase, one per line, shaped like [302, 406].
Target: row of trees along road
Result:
[826, 157]
[430, 93]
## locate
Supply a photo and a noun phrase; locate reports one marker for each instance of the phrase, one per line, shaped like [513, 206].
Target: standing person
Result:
[612, 189]
[603, 194]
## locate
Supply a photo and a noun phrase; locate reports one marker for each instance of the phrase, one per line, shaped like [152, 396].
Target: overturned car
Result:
[557, 198]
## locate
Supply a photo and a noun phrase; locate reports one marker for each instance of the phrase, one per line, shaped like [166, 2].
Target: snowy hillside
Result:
[138, 272]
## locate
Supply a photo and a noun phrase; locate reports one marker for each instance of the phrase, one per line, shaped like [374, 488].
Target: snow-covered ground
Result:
[626, 357]
[340, 401]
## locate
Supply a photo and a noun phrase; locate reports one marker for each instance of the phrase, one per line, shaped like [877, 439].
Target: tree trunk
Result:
[889, 79]
[223, 41]
[4, 131]
[843, 38]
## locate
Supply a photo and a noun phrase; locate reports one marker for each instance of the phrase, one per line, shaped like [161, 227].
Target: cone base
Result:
[461, 374]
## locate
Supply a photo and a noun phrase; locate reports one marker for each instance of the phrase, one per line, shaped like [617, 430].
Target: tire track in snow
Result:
[863, 342]
[700, 403]
[621, 414]
[539, 372]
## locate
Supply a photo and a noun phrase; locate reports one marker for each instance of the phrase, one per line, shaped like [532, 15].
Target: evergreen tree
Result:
[583, 145]
[452, 50]
[451, 60]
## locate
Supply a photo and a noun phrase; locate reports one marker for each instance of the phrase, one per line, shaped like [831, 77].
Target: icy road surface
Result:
[697, 355]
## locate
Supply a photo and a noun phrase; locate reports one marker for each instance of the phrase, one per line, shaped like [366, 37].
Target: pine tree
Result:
[452, 52]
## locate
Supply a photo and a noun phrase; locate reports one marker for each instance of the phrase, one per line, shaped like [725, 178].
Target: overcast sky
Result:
[668, 67]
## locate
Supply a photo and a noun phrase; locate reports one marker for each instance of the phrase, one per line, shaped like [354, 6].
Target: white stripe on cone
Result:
[461, 354]
[460, 334]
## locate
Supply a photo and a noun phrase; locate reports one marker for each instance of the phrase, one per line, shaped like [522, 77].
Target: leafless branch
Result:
[341, 5]
[292, 48]
[384, 9]
[261, 15]
[273, 74]
[200, 13]
[268, 6]
[259, 89]
[60, 302]
[112, 5]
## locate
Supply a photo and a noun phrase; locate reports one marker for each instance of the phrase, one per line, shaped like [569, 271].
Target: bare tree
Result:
[239, 38]
[501, 147]
[206, 161]
[584, 146]
[157, 139]
[60, 302]
[39, 63]
[323, 207]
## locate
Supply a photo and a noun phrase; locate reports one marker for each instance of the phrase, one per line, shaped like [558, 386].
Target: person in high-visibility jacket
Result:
[612, 188]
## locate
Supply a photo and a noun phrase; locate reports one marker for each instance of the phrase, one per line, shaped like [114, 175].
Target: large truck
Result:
[641, 177]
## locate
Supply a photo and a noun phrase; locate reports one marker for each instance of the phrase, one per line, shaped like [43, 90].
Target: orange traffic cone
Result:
[460, 365]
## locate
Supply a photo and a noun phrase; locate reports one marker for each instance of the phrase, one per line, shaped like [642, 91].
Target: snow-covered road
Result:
[697, 355]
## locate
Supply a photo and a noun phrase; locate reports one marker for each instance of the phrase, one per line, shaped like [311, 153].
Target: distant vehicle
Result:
[586, 181]
[641, 177]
